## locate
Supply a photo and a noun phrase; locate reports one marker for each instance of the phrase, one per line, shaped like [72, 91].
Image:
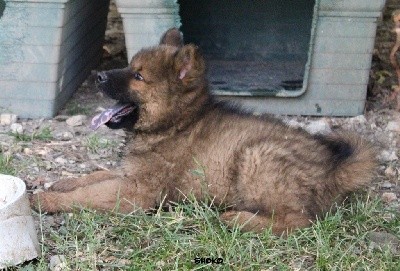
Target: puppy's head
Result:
[161, 86]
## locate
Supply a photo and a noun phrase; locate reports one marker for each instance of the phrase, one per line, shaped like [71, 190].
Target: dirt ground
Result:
[73, 149]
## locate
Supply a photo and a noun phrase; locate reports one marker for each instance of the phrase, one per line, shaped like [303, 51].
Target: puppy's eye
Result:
[138, 76]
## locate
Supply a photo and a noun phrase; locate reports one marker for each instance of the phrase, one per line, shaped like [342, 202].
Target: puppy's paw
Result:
[43, 202]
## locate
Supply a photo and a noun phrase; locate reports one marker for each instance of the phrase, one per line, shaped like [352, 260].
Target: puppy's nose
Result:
[102, 77]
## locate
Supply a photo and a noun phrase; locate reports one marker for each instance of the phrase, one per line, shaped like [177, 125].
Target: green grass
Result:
[94, 143]
[43, 134]
[6, 166]
[172, 240]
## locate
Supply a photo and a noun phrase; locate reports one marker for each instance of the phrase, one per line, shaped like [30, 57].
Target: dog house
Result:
[309, 57]
[47, 49]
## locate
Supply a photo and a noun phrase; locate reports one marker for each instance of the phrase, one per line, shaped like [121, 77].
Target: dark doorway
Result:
[252, 47]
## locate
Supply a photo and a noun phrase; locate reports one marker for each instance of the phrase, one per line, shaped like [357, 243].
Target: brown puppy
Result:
[270, 174]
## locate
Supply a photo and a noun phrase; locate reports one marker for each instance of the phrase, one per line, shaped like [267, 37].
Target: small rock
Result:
[61, 160]
[319, 126]
[390, 172]
[42, 152]
[57, 263]
[16, 128]
[76, 120]
[389, 197]
[384, 239]
[386, 185]
[28, 151]
[8, 119]
[387, 156]
[48, 185]
[358, 120]
[393, 126]
[65, 136]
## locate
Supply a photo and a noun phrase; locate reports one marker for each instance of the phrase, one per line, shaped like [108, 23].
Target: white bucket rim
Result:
[18, 192]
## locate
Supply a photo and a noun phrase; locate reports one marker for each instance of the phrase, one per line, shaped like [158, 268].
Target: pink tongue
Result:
[106, 115]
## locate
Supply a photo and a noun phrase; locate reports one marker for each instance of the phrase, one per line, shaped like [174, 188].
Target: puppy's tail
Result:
[353, 161]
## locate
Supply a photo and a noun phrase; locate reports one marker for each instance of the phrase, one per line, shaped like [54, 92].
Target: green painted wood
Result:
[343, 45]
[346, 27]
[300, 106]
[341, 61]
[352, 5]
[339, 76]
[336, 92]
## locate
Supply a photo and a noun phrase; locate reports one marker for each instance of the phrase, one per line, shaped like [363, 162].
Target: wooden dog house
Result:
[297, 57]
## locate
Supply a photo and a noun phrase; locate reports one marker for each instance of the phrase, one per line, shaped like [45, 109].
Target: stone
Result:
[387, 156]
[60, 160]
[57, 263]
[8, 119]
[390, 172]
[28, 151]
[17, 128]
[381, 240]
[76, 120]
[48, 185]
[319, 126]
[64, 136]
[389, 197]
[386, 185]
[358, 120]
[393, 126]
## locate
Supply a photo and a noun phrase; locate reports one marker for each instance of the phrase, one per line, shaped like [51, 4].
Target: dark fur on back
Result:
[340, 149]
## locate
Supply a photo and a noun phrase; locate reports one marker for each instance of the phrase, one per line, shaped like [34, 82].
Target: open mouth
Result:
[112, 115]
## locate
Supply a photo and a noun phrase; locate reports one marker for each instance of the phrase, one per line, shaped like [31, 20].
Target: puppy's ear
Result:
[172, 37]
[189, 63]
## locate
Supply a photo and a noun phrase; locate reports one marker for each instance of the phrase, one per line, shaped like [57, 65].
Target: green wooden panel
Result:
[352, 5]
[341, 61]
[336, 92]
[301, 106]
[346, 45]
[346, 27]
[339, 76]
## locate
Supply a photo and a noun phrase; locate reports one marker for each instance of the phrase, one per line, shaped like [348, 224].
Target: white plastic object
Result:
[18, 237]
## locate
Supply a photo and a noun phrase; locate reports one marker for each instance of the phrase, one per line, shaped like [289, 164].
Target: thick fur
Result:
[270, 175]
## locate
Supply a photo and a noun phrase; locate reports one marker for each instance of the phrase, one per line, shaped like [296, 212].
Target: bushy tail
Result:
[353, 161]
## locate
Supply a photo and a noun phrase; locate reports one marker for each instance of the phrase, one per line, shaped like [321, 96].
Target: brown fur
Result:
[270, 174]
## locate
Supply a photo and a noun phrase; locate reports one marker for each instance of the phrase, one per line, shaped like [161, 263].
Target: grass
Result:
[43, 134]
[94, 143]
[6, 166]
[173, 240]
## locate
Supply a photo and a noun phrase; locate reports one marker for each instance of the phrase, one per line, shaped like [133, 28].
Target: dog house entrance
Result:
[252, 47]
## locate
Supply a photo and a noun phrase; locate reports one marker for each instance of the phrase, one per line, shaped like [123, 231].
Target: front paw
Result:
[43, 202]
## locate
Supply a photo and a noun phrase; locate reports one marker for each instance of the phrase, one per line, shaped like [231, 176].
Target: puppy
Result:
[269, 174]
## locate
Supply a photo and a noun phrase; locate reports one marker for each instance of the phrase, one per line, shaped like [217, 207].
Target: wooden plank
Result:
[300, 106]
[336, 92]
[346, 45]
[341, 61]
[346, 27]
[339, 76]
